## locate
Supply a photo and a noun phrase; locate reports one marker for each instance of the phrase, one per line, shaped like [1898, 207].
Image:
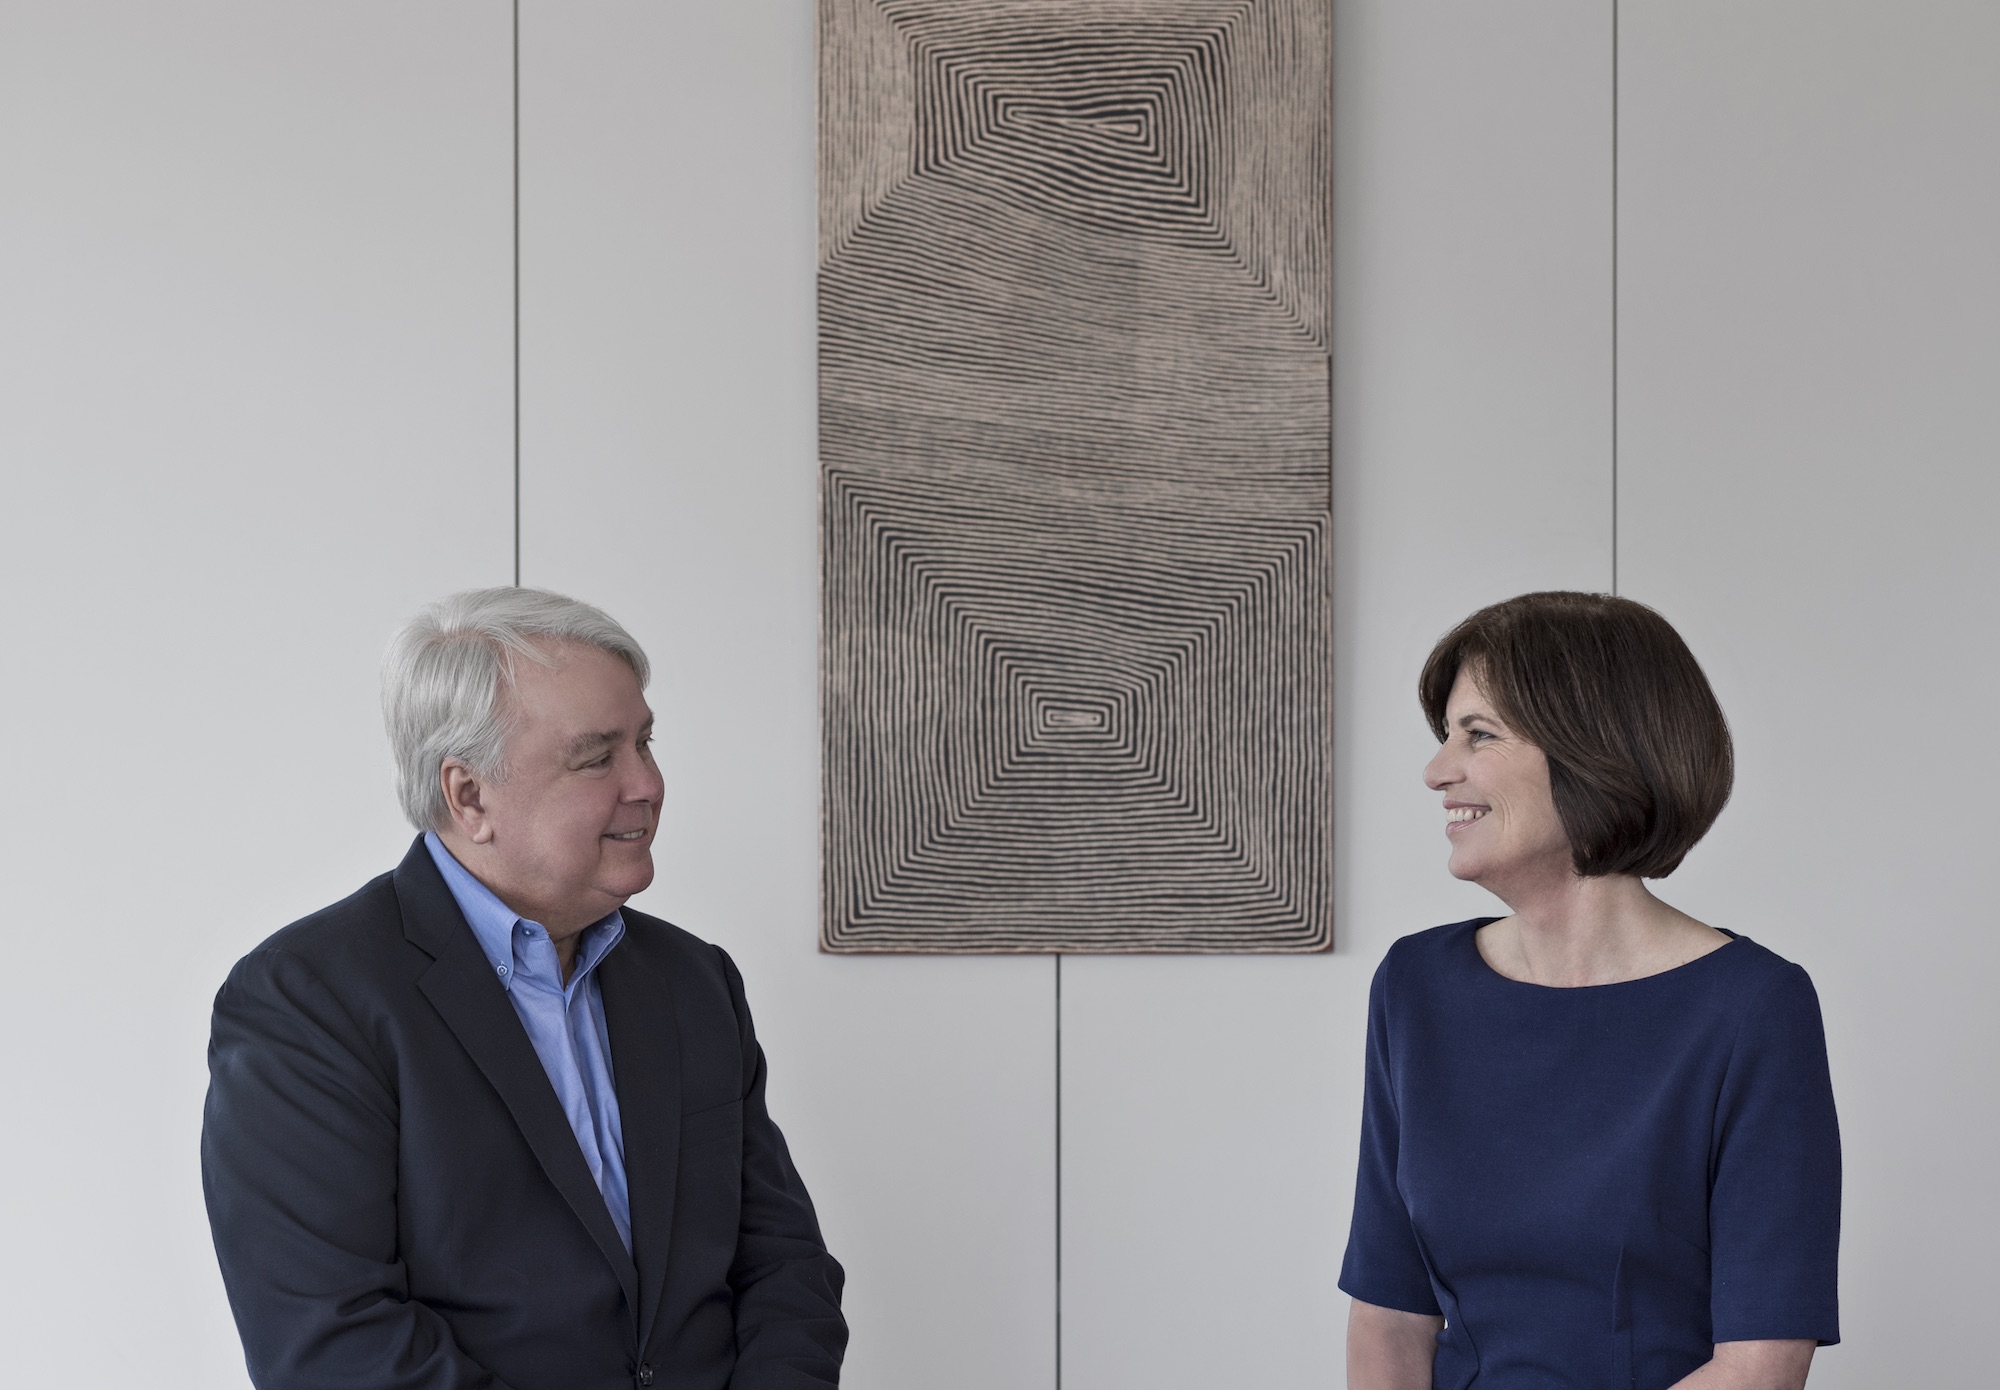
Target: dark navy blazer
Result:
[399, 1204]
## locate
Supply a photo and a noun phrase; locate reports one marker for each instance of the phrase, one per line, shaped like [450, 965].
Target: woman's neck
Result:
[1568, 931]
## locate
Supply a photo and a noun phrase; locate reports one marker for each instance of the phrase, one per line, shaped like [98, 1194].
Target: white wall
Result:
[256, 403]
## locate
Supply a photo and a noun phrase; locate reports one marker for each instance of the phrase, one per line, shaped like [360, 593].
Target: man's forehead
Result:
[578, 677]
[578, 700]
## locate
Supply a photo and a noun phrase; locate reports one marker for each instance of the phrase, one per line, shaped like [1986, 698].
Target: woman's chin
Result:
[1464, 867]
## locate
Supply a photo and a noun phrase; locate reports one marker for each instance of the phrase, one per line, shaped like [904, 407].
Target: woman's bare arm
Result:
[1751, 1366]
[1388, 1349]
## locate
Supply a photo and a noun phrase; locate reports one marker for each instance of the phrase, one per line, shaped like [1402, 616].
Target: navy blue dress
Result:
[1595, 1185]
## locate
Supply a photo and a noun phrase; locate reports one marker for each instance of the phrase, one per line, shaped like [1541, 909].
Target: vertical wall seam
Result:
[1614, 295]
[1059, 1175]
[517, 292]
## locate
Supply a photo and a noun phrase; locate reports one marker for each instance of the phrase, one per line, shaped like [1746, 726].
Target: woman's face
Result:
[1499, 814]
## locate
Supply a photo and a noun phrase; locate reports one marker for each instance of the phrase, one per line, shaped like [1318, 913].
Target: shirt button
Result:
[501, 968]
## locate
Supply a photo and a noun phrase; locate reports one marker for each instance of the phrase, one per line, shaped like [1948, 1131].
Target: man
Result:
[477, 1125]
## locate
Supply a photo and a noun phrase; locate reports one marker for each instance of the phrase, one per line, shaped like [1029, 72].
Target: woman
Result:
[1598, 1141]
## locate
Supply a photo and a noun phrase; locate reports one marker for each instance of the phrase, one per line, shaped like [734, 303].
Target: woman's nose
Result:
[1442, 770]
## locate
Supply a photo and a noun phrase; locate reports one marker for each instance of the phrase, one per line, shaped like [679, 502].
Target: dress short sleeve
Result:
[1774, 1206]
[1384, 1264]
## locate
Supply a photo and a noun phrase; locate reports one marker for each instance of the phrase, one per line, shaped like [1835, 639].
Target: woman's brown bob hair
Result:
[1639, 755]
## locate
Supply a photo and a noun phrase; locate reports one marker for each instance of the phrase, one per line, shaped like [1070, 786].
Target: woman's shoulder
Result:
[1762, 990]
[1431, 953]
[1754, 969]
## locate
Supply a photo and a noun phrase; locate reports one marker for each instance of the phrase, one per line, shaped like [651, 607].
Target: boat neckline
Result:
[1480, 961]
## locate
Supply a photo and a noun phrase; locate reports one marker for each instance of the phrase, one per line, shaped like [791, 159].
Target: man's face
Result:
[568, 836]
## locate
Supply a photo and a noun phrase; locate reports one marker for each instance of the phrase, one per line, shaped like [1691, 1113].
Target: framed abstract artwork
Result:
[1075, 443]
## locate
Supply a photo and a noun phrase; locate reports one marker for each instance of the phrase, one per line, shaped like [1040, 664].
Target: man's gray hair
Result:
[446, 676]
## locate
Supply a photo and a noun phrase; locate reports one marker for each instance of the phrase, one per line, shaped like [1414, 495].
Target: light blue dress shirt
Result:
[564, 1022]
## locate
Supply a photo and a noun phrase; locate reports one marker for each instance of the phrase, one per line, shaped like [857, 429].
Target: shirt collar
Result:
[493, 922]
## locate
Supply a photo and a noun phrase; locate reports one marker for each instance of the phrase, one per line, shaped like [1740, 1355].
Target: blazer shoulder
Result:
[675, 947]
[358, 937]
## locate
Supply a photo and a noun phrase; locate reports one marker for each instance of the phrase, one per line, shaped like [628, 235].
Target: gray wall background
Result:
[1696, 295]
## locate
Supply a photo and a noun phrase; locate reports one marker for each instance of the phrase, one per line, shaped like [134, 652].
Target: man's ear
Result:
[462, 799]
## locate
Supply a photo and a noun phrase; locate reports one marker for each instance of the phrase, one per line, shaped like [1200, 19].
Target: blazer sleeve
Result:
[789, 1331]
[1774, 1196]
[1384, 1264]
[299, 1161]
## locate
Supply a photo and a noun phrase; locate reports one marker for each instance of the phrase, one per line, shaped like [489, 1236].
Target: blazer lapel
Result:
[460, 985]
[646, 1063]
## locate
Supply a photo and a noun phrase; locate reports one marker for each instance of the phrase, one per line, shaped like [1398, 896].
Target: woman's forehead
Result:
[1469, 696]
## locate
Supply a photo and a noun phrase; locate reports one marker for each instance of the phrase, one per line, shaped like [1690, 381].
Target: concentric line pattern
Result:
[1075, 444]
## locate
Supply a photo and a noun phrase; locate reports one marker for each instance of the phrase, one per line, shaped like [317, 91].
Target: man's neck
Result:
[565, 928]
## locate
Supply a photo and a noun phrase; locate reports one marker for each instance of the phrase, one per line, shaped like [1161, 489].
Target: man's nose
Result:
[648, 785]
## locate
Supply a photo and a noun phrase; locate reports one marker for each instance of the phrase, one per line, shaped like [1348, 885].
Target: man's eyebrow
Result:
[590, 743]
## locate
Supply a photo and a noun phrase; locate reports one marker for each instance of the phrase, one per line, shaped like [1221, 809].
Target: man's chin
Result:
[628, 879]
